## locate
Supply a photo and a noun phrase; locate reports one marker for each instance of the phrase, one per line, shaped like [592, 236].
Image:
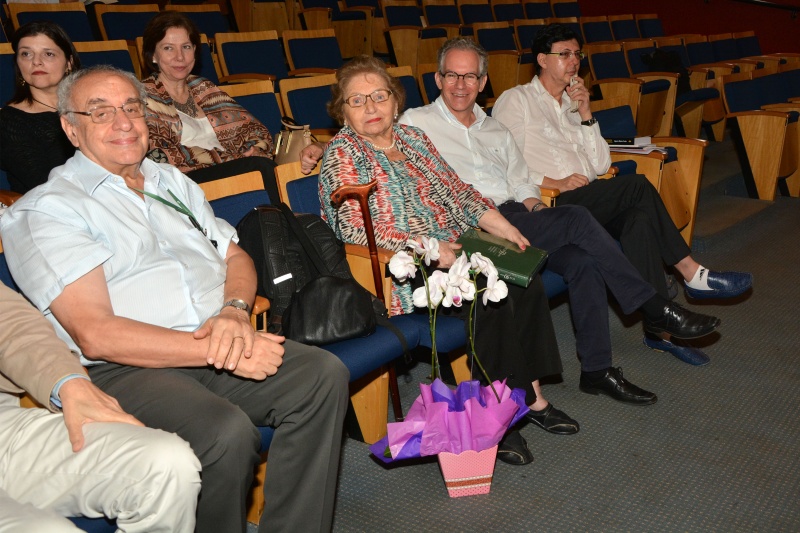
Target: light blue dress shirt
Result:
[159, 268]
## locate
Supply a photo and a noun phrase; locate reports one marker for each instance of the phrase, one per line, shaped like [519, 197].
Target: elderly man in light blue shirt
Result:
[126, 259]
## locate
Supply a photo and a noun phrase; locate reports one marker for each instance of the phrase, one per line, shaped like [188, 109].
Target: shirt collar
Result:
[89, 175]
[480, 114]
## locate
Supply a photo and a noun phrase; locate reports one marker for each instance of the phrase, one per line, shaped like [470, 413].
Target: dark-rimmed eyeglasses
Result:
[567, 54]
[106, 113]
[450, 77]
[377, 97]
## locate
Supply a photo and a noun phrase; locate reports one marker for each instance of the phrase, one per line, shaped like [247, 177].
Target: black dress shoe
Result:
[552, 420]
[681, 323]
[613, 384]
[514, 450]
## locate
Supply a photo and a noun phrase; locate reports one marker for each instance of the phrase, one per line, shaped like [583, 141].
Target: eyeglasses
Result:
[106, 113]
[377, 97]
[567, 54]
[450, 77]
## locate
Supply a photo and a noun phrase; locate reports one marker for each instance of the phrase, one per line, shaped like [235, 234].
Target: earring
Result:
[395, 116]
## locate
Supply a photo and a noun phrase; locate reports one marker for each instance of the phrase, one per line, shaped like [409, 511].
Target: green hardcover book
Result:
[514, 265]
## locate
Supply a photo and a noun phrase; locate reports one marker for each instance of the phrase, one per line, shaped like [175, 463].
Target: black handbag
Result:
[327, 308]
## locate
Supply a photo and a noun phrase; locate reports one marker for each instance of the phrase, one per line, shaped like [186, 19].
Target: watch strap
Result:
[591, 122]
[238, 304]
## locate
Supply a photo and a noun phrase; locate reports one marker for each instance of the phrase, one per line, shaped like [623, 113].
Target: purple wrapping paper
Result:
[443, 420]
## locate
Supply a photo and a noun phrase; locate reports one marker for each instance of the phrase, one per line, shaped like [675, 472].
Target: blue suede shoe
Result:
[687, 354]
[723, 285]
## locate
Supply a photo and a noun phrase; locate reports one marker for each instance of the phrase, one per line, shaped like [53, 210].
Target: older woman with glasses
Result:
[419, 195]
[194, 125]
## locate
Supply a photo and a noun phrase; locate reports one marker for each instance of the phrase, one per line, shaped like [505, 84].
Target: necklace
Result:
[384, 148]
[188, 107]
[37, 101]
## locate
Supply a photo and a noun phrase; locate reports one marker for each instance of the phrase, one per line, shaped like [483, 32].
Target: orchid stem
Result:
[471, 325]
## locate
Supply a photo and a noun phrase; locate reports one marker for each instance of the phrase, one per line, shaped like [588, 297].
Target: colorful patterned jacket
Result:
[421, 196]
[236, 129]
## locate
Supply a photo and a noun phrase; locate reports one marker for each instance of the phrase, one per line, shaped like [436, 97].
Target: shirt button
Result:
[193, 301]
[162, 243]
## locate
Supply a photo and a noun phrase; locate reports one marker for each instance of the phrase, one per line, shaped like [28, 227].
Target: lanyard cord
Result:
[180, 208]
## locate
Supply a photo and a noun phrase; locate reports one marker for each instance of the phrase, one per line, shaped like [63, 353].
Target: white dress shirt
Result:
[483, 155]
[159, 268]
[551, 138]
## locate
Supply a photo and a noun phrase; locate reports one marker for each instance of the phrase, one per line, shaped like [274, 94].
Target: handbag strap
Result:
[301, 235]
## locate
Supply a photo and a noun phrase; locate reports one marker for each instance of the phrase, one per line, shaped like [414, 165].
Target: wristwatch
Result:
[238, 304]
[591, 122]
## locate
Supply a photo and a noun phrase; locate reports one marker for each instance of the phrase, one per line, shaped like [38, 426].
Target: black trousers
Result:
[264, 165]
[514, 338]
[588, 259]
[630, 208]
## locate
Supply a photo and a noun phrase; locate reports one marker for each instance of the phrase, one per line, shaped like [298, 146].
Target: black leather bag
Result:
[303, 271]
[329, 309]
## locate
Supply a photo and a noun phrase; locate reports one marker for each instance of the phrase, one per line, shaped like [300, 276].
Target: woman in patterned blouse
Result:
[193, 124]
[419, 195]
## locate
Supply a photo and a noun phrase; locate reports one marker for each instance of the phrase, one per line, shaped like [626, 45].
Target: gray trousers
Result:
[216, 413]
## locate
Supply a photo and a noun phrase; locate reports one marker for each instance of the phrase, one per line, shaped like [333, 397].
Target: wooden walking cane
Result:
[361, 192]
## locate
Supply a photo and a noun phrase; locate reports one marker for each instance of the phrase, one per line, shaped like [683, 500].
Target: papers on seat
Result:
[634, 145]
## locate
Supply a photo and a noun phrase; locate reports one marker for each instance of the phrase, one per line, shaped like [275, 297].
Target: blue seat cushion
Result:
[553, 283]
[627, 166]
[697, 95]
[655, 86]
[233, 208]
[364, 354]
[94, 525]
[266, 437]
[450, 331]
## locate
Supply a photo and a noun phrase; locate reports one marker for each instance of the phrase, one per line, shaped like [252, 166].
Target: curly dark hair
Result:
[354, 67]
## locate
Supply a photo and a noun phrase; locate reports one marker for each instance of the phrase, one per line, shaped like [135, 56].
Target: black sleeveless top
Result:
[31, 145]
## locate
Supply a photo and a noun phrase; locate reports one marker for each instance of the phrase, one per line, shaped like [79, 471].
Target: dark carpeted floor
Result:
[718, 452]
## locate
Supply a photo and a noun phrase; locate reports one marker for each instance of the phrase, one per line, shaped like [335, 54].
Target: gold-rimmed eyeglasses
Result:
[567, 54]
[377, 97]
[106, 113]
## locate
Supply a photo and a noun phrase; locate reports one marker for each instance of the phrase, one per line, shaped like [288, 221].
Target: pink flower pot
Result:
[468, 473]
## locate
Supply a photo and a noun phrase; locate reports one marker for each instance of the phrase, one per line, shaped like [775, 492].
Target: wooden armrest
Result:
[618, 80]
[9, 197]
[612, 171]
[246, 78]
[261, 305]
[303, 72]
[651, 75]
[786, 106]
[393, 28]
[359, 250]
[672, 141]
[758, 113]
[549, 193]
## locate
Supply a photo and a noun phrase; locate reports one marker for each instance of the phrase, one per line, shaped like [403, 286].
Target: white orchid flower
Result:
[482, 264]
[402, 266]
[437, 284]
[496, 289]
[452, 297]
[427, 249]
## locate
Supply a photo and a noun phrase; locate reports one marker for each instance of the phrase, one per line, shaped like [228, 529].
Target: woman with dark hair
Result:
[194, 125]
[419, 195]
[32, 142]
